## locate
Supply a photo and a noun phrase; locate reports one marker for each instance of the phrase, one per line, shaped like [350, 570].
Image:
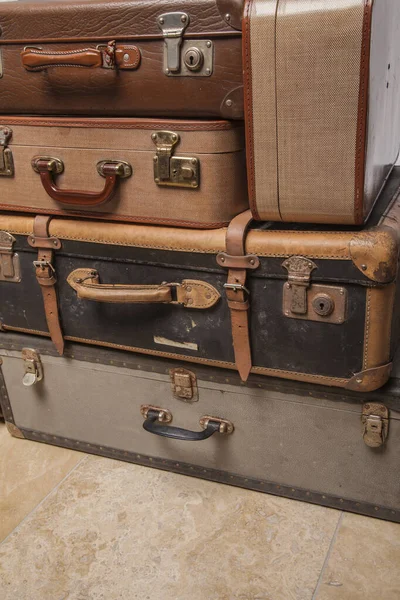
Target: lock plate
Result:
[6, 156]
[375, 424]
[32, 367]
[324, 303]
[170, 170]
[205, 48]
[10, 269]
[184, 385]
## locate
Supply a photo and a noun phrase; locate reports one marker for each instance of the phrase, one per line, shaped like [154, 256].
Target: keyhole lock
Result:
[323, 305]
[193, 59]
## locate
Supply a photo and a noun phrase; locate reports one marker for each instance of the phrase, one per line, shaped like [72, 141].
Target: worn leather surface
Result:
[69, 26]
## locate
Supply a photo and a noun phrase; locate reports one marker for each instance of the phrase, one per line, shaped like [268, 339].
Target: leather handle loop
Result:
[113, 171]
[36, 60]
[189, 293]
[177, 433]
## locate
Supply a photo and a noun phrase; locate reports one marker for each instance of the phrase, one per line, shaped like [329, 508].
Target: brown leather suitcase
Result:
[163, 58]
[322, 81]
[185, 173]
[307, 304]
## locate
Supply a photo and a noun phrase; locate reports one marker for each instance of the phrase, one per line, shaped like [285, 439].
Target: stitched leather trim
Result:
[362, 115]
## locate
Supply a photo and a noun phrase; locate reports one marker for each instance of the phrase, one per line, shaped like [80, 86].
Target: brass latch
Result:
[311, 302]
[375, 424]
[32, 367]
[184, 385]
[10, 269]
[181, 171]
[6, 157]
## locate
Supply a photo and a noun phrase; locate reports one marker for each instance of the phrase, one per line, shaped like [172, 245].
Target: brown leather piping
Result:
[248, 110]
[121, 123]
[236, 293]
[46, 277]
[362, 115]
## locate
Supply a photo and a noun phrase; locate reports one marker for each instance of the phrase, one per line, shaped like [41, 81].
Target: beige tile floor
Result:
[79, 527]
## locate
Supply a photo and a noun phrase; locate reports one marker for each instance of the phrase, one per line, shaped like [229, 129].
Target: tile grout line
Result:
[328, 555]
[45, 498]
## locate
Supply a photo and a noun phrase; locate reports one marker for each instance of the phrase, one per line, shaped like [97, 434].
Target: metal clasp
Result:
[6, 157]
[375, 423]
[43, 264]
[32, 367]
[178, 171]
[173, 26]
[10, 269]
[184, 385]
[236, 287]
[299, 270]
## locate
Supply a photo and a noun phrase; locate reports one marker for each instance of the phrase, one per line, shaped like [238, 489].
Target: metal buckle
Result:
[237, 287]
[43, 264]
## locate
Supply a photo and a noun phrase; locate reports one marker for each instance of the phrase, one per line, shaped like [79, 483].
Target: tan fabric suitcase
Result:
[184, 173]
[322, 84]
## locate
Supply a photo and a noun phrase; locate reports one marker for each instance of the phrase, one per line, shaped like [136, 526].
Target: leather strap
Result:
[236, 293]
[108, 56]
[46, 277]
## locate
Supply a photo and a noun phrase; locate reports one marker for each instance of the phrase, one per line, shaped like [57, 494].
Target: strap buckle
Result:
[237, 287]
[43, 264]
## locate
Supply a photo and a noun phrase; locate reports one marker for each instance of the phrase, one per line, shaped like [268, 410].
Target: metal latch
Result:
[184, 385]
[375, 424]
[181, 171]
[32, 367]
[10, 269]
[6, 157]
[173, 26]
[311, 302]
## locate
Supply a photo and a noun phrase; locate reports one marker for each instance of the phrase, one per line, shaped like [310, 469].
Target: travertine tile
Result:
[114, 530]
[364, 563]
[28, 472]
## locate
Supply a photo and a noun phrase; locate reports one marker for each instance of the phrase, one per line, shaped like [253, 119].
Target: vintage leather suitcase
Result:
[322, 82]
[180, 172]
[311, 305]
[154, 58]
[311, 443]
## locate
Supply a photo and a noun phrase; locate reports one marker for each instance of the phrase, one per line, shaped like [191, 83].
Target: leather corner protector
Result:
[375, 253]
[232, 12]
[197, 294]
[249, 261]
[14, 431]
[39, 242]
[232, 106]
[79, 275]
[370, 380]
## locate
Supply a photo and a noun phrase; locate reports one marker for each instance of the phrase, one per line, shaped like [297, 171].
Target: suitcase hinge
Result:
[375, 423]
[315, 302]
[6, 157]
[10, 269]
[32, 367]
[180, 171]
[184, 385]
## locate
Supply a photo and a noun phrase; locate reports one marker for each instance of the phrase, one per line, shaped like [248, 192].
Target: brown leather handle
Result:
[108, 56]
[113, 171]
[190, 293]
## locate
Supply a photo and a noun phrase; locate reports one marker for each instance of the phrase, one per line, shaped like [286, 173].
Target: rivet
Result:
[364, 267]
[167, 71]
[183, 18]
[208, 71]
[155, 159]
[194, 184]
[157, 180]
[154, 136]
[208, 296]
[341, 291]
[55, 242]
[173, 137]
[193, 161]
[161, 20]
[229, 103]
[359, 380]
[208, 44]
[126, 57]
[287, 313]
[252, 261]
[188, 289]
[222, 259]
[227, 17]
[32, 240]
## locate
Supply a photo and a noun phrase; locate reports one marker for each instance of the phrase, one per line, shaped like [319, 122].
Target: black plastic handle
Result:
[177, 433]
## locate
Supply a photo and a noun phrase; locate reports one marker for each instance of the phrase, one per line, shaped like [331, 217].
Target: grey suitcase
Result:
[292, 439]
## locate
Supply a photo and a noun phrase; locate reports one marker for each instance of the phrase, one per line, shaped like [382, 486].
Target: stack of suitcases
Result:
[199, 238]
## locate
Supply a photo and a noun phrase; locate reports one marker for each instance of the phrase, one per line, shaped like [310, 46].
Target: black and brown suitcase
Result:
[310, 443]
[163, 58]
[179, 172]
[307, 304]
[322, 86]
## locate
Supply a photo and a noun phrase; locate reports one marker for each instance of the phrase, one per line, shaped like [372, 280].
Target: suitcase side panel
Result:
[76, 404]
